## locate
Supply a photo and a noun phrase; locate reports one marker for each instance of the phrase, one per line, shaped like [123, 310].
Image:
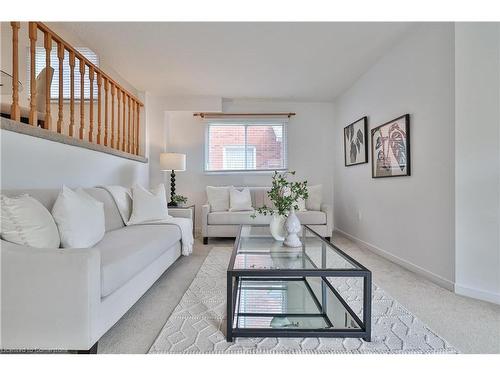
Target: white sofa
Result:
[226, 223]
[66, 299]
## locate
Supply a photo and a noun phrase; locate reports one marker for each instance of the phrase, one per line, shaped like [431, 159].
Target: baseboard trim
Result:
[477, 294]
[441, 281]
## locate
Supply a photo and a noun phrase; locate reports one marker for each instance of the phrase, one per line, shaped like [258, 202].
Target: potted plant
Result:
[179, 200]
[285, 195]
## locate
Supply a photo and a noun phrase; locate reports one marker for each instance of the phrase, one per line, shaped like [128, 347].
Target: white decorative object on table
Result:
[277, 227]
[292, 226]
[284, 196]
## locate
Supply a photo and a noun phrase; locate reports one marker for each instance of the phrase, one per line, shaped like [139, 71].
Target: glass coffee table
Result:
[276, 291]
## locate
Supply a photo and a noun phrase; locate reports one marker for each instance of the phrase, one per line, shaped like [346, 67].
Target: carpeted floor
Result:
[197, 324]
[469, 325]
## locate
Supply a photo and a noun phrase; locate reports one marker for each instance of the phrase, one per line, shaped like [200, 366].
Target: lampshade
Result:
[170, 161]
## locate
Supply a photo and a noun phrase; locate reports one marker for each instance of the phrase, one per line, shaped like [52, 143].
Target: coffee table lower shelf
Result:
[305, 306]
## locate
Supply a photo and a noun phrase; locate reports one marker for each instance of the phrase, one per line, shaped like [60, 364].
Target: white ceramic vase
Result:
[292, 226]
[277, 227]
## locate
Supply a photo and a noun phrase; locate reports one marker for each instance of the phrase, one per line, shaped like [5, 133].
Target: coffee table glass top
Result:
[258, 250]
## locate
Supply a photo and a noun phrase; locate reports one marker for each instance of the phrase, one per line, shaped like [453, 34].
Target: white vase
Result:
[277, 227]
[292, 226]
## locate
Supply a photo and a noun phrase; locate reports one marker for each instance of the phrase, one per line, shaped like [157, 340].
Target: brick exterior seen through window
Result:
[264, 146]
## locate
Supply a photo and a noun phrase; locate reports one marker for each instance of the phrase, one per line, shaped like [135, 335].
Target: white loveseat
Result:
[68, 298]
[226, 223]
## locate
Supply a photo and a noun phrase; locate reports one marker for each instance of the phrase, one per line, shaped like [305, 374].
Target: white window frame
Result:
[283, 122]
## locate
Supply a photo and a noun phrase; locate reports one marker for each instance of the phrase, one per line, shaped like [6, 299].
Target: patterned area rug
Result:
[198, 323]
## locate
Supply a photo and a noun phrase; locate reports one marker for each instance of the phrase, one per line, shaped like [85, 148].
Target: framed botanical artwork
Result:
[391, 148]
[356, 142]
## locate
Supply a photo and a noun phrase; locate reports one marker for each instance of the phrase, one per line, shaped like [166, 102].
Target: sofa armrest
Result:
[205, 210]
[49, 297]
[328, 210]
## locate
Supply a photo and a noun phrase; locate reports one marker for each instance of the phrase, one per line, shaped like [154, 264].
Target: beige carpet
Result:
[197, 323]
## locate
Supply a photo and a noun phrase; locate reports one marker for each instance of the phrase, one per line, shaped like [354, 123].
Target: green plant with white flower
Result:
[284, 194]
[179, 199]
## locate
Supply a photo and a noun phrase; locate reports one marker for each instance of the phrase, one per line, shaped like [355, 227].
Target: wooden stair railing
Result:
[128, 107]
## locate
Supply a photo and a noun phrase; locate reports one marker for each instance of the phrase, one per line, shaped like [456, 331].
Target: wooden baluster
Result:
[82, 98]
[137, 129]
[112, 115]
[33, 31]
[15, 112]
[128, 130]
[124, 122]
[91, 107]
[106, 106]
[72, 93]
[60, 56]
[99, 100]
[118, 127]
[48, 81]
[132, 143]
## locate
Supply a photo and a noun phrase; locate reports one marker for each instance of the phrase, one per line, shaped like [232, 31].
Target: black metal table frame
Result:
[233, 283]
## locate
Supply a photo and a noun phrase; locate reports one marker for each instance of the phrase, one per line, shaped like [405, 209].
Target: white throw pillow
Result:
[218, 198]
[79, 218]
[240, 200]
[148, 206]
[25, 221]
[313, 202]
[302, 205]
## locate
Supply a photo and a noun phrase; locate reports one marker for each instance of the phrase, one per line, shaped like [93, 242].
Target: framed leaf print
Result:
[356, 142]
[391, 148]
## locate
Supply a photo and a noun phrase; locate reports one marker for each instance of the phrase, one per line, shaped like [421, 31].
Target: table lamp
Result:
[170, 161]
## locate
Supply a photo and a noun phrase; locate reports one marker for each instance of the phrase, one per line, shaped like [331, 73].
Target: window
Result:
[249, 145]
[233, 157]
[40, 63]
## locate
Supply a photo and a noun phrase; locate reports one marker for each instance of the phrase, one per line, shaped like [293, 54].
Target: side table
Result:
[184, 211]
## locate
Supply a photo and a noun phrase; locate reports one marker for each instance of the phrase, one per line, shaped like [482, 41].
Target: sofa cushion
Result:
[240, 200]
[79, 218]
[311, 217]
[127, 251]
[313, 201]
[47, 197]
[244, 217]
[148, 206]
[25, 221]
[236, 218]
[112, 217]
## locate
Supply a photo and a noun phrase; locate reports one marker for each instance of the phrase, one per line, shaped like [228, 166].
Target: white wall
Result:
[477, 54]
[408, 219]
[309, 148]
[30, 162]
[158, 110]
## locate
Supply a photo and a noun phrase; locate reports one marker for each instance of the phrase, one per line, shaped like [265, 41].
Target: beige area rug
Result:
[198, 323]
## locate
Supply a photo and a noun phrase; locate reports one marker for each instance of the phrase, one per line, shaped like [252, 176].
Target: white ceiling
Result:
[298, 61]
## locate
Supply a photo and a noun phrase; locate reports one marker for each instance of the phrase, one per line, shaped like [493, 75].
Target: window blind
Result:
[40, 63]
[245, 146]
